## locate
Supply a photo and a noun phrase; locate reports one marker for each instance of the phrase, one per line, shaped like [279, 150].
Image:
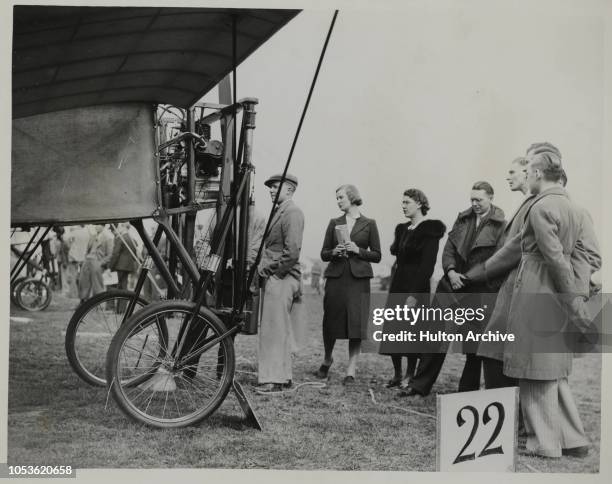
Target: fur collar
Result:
[429, 228]
[496, 214]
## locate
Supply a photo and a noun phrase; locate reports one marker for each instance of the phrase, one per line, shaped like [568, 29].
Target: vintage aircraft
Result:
[108, 127]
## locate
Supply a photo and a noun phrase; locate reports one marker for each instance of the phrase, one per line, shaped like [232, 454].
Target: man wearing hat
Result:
[280, 274]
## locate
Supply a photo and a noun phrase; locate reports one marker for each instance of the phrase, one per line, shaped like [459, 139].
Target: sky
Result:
[430, 96]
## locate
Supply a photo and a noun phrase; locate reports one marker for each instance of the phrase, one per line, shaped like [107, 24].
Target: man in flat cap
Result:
[280, 273]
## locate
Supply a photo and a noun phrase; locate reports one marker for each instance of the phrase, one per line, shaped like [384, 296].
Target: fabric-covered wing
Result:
[68, 57]
[86, 164]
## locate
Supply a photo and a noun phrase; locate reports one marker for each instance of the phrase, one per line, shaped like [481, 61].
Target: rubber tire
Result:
[73, 327]
[18, 281]
[19, 295]
[124, 332]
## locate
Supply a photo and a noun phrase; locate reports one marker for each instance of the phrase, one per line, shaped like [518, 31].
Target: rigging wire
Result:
[235, 133]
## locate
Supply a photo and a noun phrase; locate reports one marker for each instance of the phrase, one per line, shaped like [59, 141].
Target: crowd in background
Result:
[93, 258]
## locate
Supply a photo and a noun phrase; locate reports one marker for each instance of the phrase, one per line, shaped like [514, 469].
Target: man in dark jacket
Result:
[472, 240]
[503, 264]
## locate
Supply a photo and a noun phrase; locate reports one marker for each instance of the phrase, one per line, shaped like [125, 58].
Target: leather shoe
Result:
[323, 370]
[394, 382]
[581, 451]
[271, 388]
[348, 380]
[410, 393]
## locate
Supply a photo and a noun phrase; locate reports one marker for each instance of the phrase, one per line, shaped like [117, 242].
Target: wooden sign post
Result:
[477, 431]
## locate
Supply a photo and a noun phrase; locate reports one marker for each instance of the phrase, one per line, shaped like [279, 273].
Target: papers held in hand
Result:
[342, 234]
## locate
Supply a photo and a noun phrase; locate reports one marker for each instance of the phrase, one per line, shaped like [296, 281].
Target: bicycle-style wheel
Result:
[91, 329]
[181, 380]
[33, 295]
[14, 286]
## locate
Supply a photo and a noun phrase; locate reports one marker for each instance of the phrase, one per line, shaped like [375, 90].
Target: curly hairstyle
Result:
[419, 197]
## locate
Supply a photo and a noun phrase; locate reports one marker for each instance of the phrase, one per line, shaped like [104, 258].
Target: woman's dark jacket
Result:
[416, 251]
[365, 235]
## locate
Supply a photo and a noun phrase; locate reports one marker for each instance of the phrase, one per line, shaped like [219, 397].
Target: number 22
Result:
[486, 418]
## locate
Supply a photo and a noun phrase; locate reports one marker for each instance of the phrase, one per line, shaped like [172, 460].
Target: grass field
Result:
[55, 418]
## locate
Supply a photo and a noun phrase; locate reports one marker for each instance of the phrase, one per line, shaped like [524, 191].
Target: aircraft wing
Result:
[70, 57]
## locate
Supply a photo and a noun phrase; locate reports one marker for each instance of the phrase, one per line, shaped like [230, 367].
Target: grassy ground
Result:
[55, 418]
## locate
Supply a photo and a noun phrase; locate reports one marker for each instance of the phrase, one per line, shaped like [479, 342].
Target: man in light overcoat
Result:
[545, 296]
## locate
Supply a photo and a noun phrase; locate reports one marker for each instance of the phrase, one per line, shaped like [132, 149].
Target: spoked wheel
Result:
[91, 329]
[14, 287]
[177, 381]
[33, 295]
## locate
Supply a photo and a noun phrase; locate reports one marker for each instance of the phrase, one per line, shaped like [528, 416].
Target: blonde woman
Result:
[348, 277]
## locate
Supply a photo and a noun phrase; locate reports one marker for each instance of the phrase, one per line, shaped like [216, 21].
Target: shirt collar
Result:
[484, 215]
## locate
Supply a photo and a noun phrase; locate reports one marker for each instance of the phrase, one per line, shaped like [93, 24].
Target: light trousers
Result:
[91, 281]
[551, 417]
[276, 338]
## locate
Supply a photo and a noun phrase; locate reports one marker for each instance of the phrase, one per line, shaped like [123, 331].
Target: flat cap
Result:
[289, 178]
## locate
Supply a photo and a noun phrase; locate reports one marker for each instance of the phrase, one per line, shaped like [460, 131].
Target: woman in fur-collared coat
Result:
[415, 245]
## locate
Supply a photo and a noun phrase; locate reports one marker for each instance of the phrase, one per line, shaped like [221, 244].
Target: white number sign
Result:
[477, 431]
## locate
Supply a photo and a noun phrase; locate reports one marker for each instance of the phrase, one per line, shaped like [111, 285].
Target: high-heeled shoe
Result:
[323, 370]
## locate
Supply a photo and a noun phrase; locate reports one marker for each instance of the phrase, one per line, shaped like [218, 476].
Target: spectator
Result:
[123, 259]
[472, 240]
[77, 240]
[97, 257]
[279, 270]
[351, 244]
[504, 263]
[415, 246]
[552, 230]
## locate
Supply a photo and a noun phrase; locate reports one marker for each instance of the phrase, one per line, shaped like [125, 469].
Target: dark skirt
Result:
[345, 306]
[397, 297]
